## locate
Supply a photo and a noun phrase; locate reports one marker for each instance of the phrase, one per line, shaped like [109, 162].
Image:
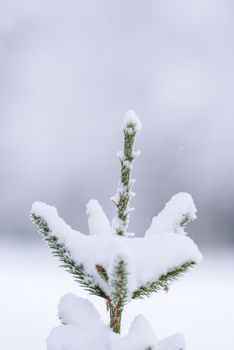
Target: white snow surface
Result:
[174, 342]
[84, 330]
[131, 118]
[147, 258]
[72, 338]
[30, 296]
[169, 219]
[97, 221]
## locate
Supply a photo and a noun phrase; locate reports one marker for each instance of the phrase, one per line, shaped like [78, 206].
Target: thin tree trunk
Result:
[115, 319]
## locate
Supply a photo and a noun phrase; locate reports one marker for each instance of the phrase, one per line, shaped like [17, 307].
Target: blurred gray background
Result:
[69, 70]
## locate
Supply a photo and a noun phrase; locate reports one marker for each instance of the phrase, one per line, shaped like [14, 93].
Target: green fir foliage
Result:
[60, 250]
[119, 284]
[124, 194]
[163, 282]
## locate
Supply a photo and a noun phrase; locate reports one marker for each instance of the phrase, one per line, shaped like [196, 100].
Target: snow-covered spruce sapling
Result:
[115, 265]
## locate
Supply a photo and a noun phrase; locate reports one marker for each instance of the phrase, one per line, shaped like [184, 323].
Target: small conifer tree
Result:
[113, 264]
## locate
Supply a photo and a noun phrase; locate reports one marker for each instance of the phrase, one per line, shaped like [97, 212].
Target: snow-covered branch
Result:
[91, 258]
[163, 282]
[39, 213]
[176, 214]
[131, 126]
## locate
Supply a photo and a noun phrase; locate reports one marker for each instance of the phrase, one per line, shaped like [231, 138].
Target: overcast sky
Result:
[69, 70]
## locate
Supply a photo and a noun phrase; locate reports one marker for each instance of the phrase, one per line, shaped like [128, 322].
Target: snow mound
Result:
[83, 327]
[85, 331]
[140, 336]
[147, 258]
[174, 216]
[80, 312]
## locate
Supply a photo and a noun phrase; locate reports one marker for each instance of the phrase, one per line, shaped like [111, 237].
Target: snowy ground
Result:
[200, 305]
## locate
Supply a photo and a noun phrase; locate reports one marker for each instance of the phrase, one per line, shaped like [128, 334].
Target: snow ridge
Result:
[84, 330]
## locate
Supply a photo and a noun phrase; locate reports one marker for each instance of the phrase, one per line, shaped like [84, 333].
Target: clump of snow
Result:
[136, 154]
[174, 216]
[131, 122]
[128, 164]
[97, 220]
[83, 327]
[147, 258]
[123, 191]
[140, 337]
[80, 312]
[120, 154]
[156, 255]
[50, 214]
[84, 330]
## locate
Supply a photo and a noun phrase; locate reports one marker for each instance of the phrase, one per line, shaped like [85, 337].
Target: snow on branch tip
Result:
[131, 123]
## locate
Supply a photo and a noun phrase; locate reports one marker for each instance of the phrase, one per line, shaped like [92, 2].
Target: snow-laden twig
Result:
[131, 126]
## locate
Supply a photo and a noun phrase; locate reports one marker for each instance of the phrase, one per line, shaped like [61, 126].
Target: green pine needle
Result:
[163, 281]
